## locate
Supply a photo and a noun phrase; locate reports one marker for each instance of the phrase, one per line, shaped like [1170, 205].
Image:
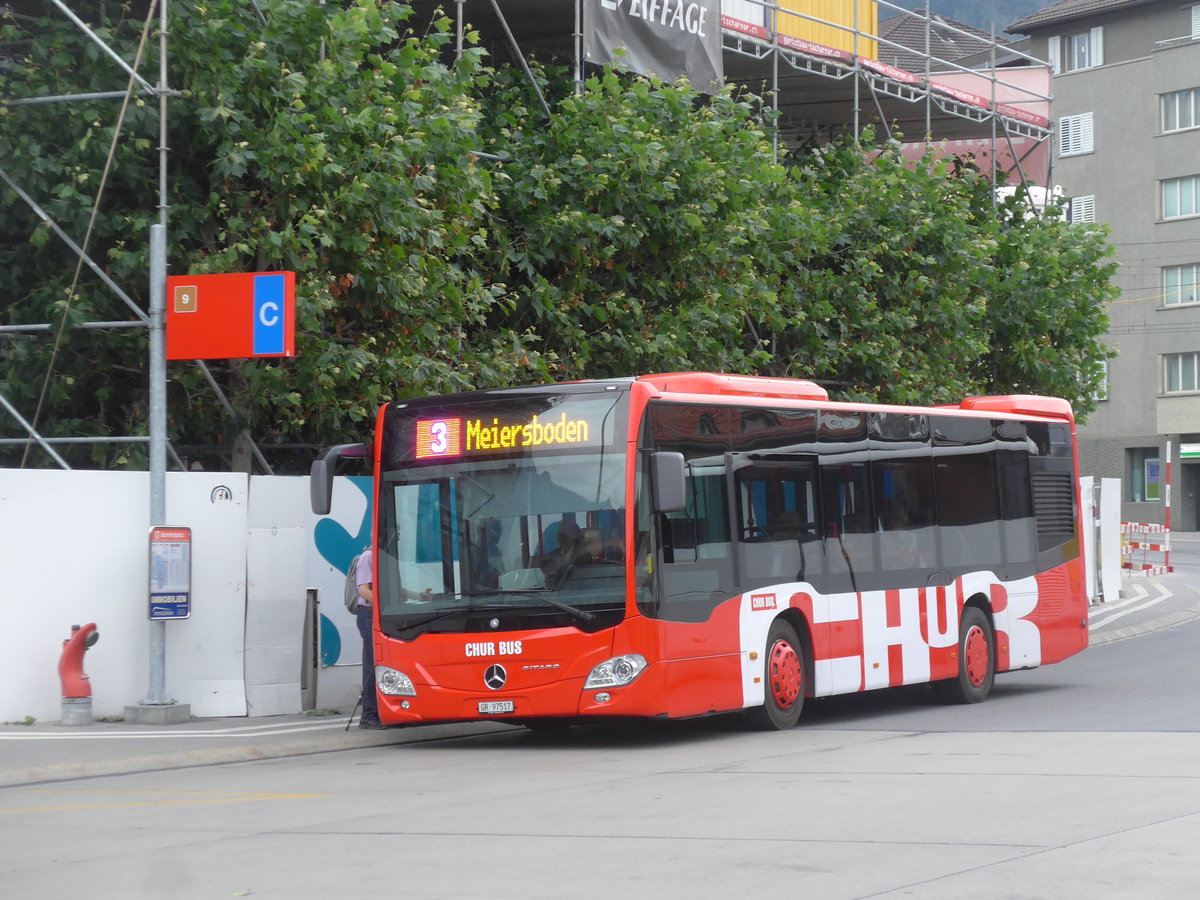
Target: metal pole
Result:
[994, 117]
[157, 418]
[41, 442]
[516, 50]
[107, 50]
[157, 695]
[928, 81]
[1097, 532]
[458, 30]
[775, 88]
[1167, 514]
[857, 77]
[579, 48]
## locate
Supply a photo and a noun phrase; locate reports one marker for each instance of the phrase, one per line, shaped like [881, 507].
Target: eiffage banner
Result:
[664, 38]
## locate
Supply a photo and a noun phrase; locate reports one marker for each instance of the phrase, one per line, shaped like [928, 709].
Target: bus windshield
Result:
[502, 540]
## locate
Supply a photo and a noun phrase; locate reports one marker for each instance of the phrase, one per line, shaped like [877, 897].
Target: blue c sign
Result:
[268, 314]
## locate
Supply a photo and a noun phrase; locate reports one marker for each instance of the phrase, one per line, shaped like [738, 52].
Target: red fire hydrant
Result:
[76, 689]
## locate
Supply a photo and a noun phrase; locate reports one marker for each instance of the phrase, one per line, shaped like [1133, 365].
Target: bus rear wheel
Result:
[783, 678]
[976, 660]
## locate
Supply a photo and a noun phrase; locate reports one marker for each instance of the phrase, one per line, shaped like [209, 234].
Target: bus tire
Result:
[976, 660]
[783, 680]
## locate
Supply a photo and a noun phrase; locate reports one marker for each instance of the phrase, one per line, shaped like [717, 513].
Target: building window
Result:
[1179, 372]
[1181, 109]
[1076, 51]
[1083, 209]
[1180, 284]
[1075, 134]
[1144, 475]
[1180, 197]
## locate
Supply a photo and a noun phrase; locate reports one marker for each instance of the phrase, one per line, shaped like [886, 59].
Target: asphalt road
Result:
[1076, 780]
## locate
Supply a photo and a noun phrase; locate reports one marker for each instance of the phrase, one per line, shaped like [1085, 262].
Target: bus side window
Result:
[851, 542]
[778, 515]
[905, 509]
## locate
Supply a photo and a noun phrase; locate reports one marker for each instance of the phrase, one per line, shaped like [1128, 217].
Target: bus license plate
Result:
[495, 707]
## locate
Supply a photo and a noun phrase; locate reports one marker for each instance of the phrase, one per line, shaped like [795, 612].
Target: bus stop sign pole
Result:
[156, 708]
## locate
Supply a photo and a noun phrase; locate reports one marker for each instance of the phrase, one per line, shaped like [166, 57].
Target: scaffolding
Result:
[817, 87]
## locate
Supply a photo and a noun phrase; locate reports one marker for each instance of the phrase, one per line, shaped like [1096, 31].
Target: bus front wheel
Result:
[783, 680]
[976, 660]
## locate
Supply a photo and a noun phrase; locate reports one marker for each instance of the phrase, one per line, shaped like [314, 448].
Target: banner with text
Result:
[664, 38]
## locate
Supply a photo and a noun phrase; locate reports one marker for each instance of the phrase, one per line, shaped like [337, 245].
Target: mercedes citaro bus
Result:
[688, 544]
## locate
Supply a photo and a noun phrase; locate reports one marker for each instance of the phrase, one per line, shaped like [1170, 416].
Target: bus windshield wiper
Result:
[540, 593]
[444, 614]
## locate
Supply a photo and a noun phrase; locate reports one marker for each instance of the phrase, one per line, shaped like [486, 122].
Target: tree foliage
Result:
[447, 236]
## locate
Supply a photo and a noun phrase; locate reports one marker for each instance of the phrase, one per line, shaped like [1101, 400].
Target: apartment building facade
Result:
[1126, 85]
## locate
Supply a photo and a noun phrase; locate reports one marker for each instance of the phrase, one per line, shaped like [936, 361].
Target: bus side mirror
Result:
[320, 476]
[666, 468]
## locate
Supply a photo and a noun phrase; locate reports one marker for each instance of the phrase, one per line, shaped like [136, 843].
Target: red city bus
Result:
[687, 544]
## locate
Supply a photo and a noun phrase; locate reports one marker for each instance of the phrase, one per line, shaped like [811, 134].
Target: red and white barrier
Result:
[1136, 549]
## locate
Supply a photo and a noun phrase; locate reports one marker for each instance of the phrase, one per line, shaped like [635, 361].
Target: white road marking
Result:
[1131, 605]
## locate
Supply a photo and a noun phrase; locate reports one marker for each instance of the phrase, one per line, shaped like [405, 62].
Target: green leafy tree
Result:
[637, 225]
[1048, 286]
[887, 313]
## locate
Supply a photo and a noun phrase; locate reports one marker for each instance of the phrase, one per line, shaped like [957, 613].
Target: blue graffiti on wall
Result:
[338, 547]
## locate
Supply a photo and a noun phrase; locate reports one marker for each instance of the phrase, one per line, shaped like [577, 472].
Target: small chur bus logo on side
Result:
[762, 601]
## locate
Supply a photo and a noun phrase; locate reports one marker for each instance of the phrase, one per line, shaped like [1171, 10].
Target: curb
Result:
[257, 749]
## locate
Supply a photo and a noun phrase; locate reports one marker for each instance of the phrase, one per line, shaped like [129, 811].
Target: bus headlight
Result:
[393, 683]
[616, 672]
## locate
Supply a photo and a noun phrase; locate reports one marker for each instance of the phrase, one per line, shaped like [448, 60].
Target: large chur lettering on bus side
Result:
[881, 639]
[1018, 639]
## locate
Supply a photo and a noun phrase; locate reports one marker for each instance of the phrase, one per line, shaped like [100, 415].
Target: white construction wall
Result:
[1101, 501]
[74, 549]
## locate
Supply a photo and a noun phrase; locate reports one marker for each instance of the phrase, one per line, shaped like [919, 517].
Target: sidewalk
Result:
[47, 752]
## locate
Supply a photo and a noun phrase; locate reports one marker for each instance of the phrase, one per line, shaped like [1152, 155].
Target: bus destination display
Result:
[457, 436]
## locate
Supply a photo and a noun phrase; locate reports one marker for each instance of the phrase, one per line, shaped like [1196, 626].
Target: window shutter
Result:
[1196, 22]
[1075, 134]
[1096, 57]
[1083, 209]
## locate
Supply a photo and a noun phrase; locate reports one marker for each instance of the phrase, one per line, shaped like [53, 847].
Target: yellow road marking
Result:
[176, 798]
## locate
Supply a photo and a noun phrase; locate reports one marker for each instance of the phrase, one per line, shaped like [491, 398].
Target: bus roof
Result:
[714, 384]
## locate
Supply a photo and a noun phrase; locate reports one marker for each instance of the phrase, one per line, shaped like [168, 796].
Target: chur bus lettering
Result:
[690, 544]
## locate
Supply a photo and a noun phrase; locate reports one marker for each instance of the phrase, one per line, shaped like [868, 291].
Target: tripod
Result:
[357, 704]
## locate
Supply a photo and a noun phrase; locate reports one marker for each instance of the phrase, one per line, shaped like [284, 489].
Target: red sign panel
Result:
[233, 316]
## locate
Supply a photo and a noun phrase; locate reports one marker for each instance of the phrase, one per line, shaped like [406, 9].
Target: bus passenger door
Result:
[696, 565]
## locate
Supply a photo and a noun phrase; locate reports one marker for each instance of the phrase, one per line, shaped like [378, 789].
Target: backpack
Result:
[350, 590]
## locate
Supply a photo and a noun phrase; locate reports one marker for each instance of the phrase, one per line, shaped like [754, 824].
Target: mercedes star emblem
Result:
[495, 677]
